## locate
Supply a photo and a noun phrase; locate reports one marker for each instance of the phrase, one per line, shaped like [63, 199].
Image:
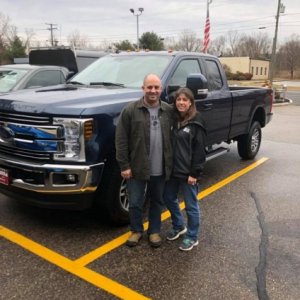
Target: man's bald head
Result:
[152, 89]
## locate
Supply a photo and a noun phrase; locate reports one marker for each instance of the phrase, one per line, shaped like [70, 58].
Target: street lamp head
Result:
[131, 10]
[141, 9]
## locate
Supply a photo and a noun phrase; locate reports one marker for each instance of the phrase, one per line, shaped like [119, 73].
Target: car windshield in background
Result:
[9, 78]
[123, 70]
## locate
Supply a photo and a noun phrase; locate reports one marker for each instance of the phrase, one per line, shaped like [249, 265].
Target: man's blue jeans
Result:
[189, 193]
[136, 192]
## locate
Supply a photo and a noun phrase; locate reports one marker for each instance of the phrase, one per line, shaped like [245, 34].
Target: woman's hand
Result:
[126, 174]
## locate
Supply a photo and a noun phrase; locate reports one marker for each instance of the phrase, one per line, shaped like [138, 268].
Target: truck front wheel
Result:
[113, 193]
[248, 144]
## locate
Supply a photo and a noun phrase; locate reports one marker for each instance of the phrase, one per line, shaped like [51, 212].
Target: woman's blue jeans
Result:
[189, 193]
[137, 194]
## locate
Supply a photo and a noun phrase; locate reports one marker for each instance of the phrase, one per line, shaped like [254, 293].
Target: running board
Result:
[217, 152]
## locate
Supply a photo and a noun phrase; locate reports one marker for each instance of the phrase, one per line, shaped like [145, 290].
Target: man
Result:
[144, 153]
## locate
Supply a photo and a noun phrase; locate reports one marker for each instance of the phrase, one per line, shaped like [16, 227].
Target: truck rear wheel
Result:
[248, 144]
[113, 193]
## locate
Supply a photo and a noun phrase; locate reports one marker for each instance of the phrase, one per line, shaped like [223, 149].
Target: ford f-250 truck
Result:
[57, 144]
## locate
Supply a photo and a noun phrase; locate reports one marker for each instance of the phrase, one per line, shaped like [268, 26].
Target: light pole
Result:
[280, 9]
[139, 12]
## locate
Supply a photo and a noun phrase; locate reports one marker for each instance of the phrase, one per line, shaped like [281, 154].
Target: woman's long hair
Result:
[191, 111]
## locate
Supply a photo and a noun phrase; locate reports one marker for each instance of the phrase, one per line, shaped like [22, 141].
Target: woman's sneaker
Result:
[188, 244]
[174, 234]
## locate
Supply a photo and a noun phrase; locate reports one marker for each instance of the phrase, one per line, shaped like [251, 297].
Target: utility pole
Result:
[51, 28]
[280, 9]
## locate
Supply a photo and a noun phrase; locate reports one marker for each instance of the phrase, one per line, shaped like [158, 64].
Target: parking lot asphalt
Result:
[78, 267]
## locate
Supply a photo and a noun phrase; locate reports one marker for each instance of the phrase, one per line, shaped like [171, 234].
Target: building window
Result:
[261, 70]
[252, 70]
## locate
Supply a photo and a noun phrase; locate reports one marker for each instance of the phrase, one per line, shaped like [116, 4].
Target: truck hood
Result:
[68, 100]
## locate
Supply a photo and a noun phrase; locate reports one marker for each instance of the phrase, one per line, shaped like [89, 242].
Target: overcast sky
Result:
[112, 21]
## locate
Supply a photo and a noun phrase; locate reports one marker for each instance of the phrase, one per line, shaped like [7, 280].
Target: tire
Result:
[113, 193]
[248, 144]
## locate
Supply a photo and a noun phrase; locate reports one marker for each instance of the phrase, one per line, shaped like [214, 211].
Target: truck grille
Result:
[24, 119]
[29, 137]
[25, 154]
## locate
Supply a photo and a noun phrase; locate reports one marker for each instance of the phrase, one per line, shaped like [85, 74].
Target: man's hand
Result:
[191, 180]
[126, 174]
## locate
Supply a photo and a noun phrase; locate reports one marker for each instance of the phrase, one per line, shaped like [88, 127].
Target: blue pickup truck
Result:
[57, 143]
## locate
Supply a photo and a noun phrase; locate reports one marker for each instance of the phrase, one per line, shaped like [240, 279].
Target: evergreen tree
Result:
[151, 41]
[124, 46]
[15, 49]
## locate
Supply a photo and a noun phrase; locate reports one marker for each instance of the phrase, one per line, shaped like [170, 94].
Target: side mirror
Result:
[70, 75]
[197, 83]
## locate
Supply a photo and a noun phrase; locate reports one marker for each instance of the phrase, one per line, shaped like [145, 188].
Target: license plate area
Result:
[4, 176]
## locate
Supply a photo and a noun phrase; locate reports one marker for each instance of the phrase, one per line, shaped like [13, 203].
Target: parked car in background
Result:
[75, 60]
[25, 76]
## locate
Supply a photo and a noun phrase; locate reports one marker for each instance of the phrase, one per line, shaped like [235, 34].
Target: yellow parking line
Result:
[98, 252]
[70, 266]
[229, 179]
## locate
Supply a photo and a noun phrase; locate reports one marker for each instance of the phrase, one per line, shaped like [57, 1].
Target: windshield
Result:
[127, 70]
[9, 78]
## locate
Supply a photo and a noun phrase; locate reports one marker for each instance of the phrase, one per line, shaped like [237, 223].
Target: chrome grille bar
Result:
[25, 119]
[15, 152]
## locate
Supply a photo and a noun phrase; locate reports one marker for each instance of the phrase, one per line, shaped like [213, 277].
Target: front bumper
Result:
[52, 178]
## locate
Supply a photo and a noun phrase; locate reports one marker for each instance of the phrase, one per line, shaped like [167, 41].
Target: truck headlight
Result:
[74, 136]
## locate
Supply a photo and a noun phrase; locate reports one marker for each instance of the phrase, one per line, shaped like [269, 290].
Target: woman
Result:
[188, 160]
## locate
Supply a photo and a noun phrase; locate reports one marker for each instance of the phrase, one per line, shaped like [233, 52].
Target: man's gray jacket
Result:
[133, 139]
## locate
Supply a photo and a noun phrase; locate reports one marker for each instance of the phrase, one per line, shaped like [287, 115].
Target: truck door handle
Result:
[207, 106]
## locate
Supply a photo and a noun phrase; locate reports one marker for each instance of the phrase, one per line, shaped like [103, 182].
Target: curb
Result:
[286, 102]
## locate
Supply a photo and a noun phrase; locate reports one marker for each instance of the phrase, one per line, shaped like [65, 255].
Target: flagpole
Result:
[206, 38]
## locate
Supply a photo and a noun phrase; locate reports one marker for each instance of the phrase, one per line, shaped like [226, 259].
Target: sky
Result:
[111, 21]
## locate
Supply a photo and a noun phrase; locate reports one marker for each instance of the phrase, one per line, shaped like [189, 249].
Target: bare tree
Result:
[233, 41]
[218, 46]
[77, 39]
[169, 43]
[8, 34]
[4, 23]
[29, 39]
[255, 46]
[288, 55]
[188, 41]
[106, 46]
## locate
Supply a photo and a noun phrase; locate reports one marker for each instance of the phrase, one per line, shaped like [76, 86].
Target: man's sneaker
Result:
[155, 240]
[174, 234]
[188, 244]
[134, 239]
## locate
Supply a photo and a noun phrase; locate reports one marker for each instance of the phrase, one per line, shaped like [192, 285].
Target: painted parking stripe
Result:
[96, 279]
[115, 243]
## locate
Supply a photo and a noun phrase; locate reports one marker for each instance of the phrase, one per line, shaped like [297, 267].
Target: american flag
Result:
[206, 30]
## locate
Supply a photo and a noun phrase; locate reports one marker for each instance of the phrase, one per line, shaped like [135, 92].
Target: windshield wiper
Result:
[75, 82]
[105, 83]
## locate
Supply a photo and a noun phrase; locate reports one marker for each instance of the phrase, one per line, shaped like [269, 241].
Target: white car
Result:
[25, 76]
